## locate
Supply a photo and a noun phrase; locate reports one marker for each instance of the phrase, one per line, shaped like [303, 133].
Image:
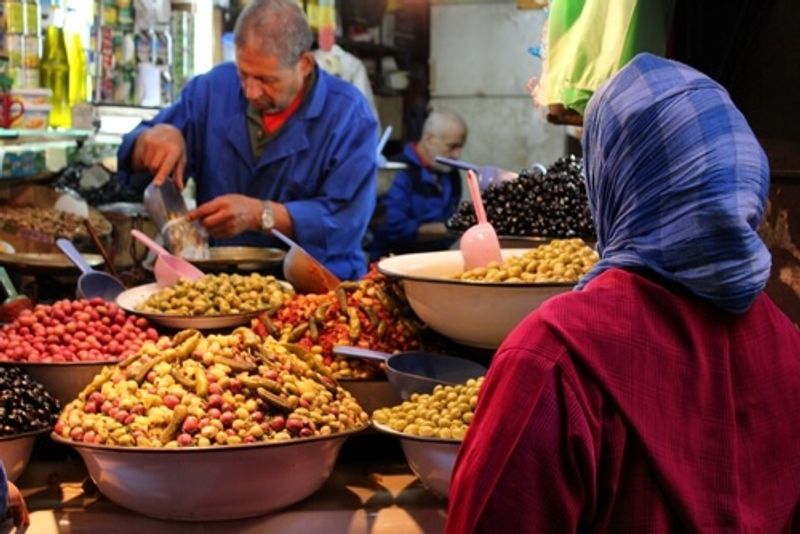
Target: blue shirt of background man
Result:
[417, 196]
[321, 164]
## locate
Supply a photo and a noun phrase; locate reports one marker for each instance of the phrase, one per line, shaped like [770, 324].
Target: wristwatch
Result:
[267, 217]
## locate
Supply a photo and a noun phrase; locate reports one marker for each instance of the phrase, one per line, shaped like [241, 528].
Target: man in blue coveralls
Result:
[271, 141]
[411, 215]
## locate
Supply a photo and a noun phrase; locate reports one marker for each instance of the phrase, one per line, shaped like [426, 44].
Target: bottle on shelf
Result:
[55, 75]
[76, 56]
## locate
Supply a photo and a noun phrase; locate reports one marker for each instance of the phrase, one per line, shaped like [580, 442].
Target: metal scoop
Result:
[487, 174]
[91, 283]
[168, 269]
[479, 244]
[305, 273]
[418, 371]
[167, 209]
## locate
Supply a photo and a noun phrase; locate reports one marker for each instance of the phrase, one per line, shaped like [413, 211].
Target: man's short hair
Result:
[277, 27]
[439, 120]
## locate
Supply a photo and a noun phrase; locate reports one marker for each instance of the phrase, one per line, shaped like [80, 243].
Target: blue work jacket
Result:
[418, 195]
[321, 164]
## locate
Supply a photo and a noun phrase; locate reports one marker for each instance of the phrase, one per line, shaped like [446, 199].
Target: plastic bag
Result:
[587, 41]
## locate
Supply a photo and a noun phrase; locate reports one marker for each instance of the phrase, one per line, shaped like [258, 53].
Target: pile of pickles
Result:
[218, 390]
[369, 313]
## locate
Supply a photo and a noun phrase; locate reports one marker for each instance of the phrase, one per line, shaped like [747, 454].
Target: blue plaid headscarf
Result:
[677, 182]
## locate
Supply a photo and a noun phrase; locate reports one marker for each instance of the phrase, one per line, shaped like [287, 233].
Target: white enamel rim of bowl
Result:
[392, 432]
[198, 450]
[385, 266]
[26, 434]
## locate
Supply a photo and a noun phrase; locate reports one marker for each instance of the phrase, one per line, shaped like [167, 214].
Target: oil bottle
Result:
[55, 72]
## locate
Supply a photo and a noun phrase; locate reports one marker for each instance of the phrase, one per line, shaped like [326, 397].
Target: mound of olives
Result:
[73, 331]
[196, 391]
[561, 260]
[219, 294]
[25, 406]
[446, 413]
[551, 204]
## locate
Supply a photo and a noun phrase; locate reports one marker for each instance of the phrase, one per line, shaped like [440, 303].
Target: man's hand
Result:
[17, 509]
[161, 150]
[229, 215]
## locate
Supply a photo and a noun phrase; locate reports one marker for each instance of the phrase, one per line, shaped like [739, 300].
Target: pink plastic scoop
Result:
[168, 268]
[479, 244]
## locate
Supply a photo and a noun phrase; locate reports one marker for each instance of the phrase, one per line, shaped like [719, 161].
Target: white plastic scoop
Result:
[479, 244]
[168, 269]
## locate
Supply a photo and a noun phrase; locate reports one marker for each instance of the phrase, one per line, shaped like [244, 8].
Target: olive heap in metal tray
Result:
[218, 294]
[196, 391]
[69, 331]
[25, 406]
[551, 204]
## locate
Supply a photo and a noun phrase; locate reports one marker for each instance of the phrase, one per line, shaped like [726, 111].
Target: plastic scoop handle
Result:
[149, 243]
[99, 245]
[285, 238]
[74, 256]
[384, 138]
[457, 163]
[475, 193]
[8, 285]
[358, 352]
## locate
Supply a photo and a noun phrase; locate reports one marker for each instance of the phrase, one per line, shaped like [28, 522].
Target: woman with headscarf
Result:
[664, 394]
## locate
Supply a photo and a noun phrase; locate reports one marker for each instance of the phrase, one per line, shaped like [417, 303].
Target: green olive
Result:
[445, 413]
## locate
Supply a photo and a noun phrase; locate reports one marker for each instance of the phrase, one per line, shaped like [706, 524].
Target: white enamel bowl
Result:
[213, 483]
[478, 314]
[15, 452]
[431, 459]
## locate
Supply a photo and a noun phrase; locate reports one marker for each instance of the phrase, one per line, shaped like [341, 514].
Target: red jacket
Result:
[627, 407]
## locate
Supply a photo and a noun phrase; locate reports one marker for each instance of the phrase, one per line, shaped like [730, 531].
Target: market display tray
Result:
[45, 261]
[129, 299]
[241, 258]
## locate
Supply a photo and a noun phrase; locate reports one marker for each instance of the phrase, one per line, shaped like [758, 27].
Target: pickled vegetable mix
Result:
[196, 391]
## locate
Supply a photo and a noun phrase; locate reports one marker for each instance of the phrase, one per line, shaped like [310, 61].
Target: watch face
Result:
[267, 221]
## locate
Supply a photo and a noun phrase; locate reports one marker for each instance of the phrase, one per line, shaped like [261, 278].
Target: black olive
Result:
[24, 404]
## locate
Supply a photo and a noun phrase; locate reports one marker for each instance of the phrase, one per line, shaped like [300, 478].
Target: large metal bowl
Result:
[214, 483]
[223, 259]
[478, 314]
[15, 452]
[431, 459]
[46, 262]
[62, 380]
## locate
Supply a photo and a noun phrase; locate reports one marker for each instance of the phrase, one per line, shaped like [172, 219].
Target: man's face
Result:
[448, 143]
[269, 85]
